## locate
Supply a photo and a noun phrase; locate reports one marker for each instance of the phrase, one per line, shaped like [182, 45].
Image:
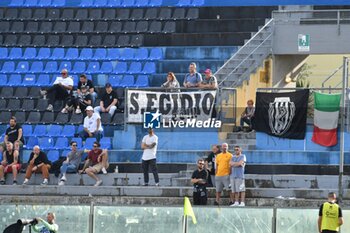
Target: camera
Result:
[25, 222]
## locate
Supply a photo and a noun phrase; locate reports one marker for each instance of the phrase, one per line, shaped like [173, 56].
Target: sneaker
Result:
[104, 171]
[157, 184]
[45, 182]
[25, 182]
[145, 184]
[49, 108]
[216, 203]
[61, 183]
[230, 203]
[242, 204]
[14, 182]
[64, 110]
[78, 111]
[2, 182]
[235, 204]
[63, 178]
[98, 183]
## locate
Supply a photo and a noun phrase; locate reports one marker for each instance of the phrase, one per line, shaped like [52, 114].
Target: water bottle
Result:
[116, 170]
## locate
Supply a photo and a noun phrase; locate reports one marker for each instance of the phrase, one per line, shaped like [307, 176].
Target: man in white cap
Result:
[92, 125]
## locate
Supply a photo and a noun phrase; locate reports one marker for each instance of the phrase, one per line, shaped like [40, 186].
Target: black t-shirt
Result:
[42, 158]
[85, 97]
[340, 215]
[88, 84]
[107, 99]
[211, 162]
[12, 133]
[200, 175]
[10, 157]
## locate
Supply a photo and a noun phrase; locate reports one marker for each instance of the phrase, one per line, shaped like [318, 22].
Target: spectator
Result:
[72, 162]
[13, 134]
[84, 82]
[108, 101]
[193, 78]
[92, 125]
[248, 114]
[209, 81]
[199, 181]
[237, 177]
[38, 162]
[96, 162]
[79, 102]
[171, 81]
[46, 226]
[211, 161]
[10, 163]
[149, 146]
[60, 90]
[330, 216]
[222, 172]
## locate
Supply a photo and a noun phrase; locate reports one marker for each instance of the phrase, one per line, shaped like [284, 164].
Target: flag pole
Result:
[342, 127]
[184, 224]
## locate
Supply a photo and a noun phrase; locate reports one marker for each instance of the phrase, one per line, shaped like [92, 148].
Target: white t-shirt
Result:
[149, 154]
[91, 122]
[65, 81]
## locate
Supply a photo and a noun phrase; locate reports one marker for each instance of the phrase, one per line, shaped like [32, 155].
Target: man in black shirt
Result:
[84, 82]
[38, 162]
[79, 102]
[199, 181]
[14, 134]
[10, 163]
[210, 164]
[108, 101]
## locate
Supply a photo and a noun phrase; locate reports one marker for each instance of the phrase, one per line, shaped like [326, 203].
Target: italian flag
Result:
[326, 115]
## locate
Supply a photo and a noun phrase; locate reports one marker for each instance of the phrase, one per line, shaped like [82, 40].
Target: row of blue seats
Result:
[51, 130]
[79, 67]
[86, 3]
[44, 80]
[82, 54]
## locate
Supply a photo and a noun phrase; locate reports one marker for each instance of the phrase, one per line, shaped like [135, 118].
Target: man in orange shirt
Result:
[223, 171]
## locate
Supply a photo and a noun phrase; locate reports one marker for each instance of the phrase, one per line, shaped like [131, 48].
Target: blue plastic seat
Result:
[80, 128]
[43, 80]
[57, 53]
[135, 68]
[46, 143]
[44, 53]
[3, 80]
[61, 143]
[113, 54]
[44, 3]
[65, 153]
[39, 130]
[198, 3]
[54, 131]
[53, 155]
[57, 3]
[17, 3]
[106, 143]
[15, 80]
[68, 131]
[28, 80]
[149, 68]
[100, 54]
[115, 80]
[93, 67]
[182, 3]
[79, 67]
[128, 3]
[79, 142]
[51, 67]
[89, 143]
[127, 81]
[142, 81]
[75, 80]
[22, 67]
[127, 54]
[141, 3]
[154, 3]
[114, 3]
[27, 130]
[32, 141]
[156, 54]
[72, 54]
[106, 67]
[8, 67]
[31, 3]
[65, 65]
[120, 68]
[86, 54]
[4, 53]
[100, 3]
[37, 67]
[29, 53]
[15, 53]
[141, 54]
[86, 3]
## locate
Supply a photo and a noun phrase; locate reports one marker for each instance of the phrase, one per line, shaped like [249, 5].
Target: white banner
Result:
[171, 105]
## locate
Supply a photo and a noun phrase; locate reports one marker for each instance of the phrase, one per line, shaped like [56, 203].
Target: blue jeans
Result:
[67, 167]
[84, 135]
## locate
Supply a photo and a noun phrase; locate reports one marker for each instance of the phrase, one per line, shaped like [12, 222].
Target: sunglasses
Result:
[236, 149]
[201, 163]
[63, 73]
[74, 145]
[95, 146]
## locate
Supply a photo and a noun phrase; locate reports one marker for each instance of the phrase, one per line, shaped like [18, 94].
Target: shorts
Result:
[9, 168]
[98, 167]
[222, 182]
[237, 185]
[3, 145]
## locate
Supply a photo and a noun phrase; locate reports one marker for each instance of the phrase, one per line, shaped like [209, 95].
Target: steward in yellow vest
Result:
[330, 216]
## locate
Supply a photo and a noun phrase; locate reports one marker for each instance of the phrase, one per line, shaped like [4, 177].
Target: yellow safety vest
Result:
[330, 217]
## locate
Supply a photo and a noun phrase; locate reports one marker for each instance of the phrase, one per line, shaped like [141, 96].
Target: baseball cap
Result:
[89, 108]
[108, 85]
[207, 71]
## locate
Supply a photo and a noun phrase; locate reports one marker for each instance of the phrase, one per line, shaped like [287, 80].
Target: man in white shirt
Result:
[92, 125]
[60, 90]
[149, 146]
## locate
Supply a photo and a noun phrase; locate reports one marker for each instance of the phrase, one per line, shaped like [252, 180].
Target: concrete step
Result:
[241, 141]
[241, 135]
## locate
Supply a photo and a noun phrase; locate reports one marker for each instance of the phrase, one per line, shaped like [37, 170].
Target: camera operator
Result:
[48, 226]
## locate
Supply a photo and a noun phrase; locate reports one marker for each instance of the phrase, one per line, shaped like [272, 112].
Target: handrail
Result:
[330, 76]
[239, 50]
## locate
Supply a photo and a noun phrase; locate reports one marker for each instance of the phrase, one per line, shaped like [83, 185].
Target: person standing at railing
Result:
[171, 81]
[193, 78]
[330, 216]
[209, 81]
